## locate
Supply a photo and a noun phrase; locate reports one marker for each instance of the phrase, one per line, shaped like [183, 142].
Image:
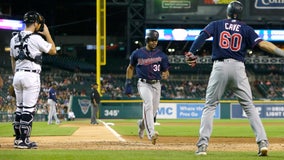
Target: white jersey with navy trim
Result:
[36, 45]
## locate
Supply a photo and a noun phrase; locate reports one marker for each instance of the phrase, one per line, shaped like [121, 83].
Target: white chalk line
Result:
[118, 136]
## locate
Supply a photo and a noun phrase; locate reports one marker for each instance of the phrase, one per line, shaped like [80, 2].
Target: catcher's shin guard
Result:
[16, 125]
[26, 125]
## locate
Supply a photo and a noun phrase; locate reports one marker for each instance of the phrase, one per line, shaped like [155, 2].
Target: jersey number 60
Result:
[230, 41]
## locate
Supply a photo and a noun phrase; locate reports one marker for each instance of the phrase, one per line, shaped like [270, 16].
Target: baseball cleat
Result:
[33, 145]
[16, 142]
[201, 150]
[23, 145]
[140, 129]
[262, 148]
[154, 138]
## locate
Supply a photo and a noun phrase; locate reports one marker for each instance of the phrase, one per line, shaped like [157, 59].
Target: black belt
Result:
[152, 81]
[26, 70]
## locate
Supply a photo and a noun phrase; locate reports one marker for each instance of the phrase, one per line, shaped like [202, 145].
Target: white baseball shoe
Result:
[16, 142]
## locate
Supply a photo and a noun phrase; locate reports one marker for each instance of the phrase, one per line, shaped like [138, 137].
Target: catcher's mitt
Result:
[11, 91]
[190, 59]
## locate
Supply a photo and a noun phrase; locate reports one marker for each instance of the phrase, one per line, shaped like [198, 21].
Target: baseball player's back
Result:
[231, 39]
[26, 51]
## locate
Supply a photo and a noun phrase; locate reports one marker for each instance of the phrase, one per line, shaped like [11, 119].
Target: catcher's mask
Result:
[235, 10]
[32, 17]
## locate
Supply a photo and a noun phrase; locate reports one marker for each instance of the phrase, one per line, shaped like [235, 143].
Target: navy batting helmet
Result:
[234, 10]
[151, 35]
[32, 17]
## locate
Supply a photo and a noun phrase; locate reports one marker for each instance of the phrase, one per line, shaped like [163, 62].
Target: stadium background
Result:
[73, 26]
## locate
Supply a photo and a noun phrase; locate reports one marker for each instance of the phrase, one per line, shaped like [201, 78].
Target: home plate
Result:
[110, 124]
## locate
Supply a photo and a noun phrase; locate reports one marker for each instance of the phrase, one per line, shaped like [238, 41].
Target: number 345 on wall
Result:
[112, 113]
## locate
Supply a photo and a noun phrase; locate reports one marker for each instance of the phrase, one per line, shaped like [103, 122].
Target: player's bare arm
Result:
[129, 71]
[49, 39]
[271, 48]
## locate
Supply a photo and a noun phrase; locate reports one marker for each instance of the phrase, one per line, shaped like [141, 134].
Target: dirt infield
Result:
[102, 137]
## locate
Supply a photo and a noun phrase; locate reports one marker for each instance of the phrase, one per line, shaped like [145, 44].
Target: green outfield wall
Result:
[173, 109]
[168, 109]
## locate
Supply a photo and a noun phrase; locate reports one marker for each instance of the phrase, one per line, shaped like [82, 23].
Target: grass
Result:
[222, 128]
[39, 129]
[130, 155]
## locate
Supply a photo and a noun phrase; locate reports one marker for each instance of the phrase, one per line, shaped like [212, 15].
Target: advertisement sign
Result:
[160, 9]
[183, 111]
[179, 34]
[167, 111]
[193, 110]
[268, 4]
[9, 24]
[81, 106]
[176, 6]
[264, 110]
[267, 7]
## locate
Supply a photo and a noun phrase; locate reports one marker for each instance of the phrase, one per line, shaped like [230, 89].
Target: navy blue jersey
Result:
[52, 94]
[231, 38]
[149, 64]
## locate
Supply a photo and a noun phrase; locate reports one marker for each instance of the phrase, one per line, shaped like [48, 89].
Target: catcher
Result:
[26, 52]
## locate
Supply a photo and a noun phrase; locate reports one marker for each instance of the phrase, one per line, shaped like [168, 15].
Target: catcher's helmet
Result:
[151, 35]
[32, 17]
[234, 10]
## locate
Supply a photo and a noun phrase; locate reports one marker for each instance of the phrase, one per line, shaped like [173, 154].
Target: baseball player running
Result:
[52, 102]
[27, 48]
[151, 66]
[231, 38]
